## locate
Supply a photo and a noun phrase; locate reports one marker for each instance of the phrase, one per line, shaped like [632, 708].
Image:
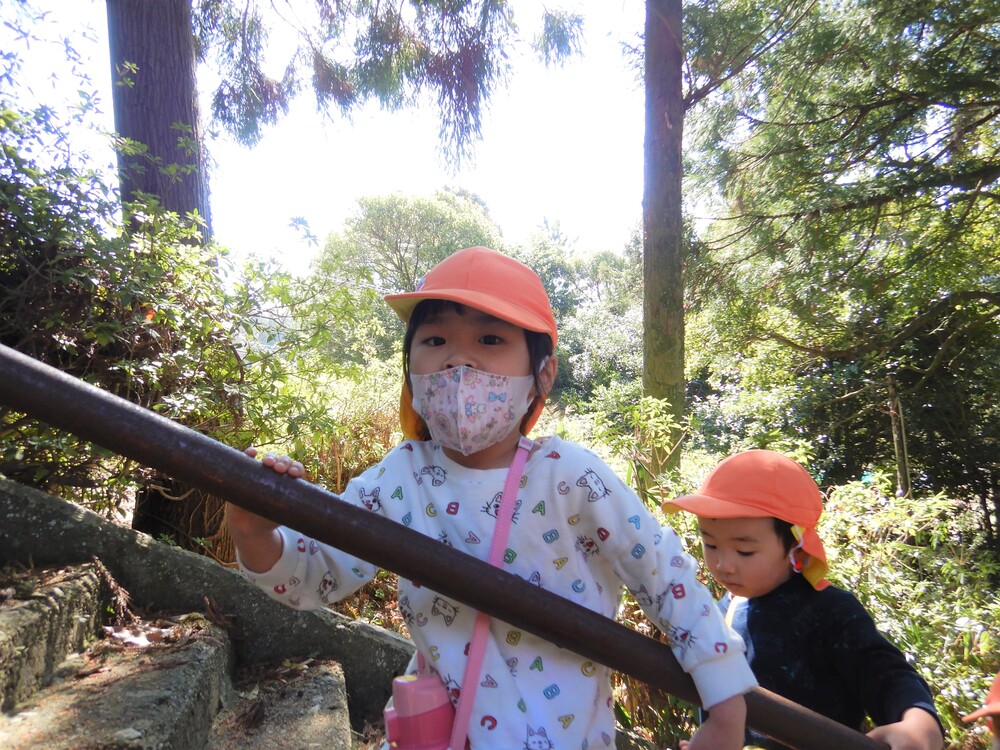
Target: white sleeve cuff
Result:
[723, 678]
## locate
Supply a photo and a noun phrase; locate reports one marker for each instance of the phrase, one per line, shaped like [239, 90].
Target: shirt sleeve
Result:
[886, 682]
[310, 574]
[651, 561]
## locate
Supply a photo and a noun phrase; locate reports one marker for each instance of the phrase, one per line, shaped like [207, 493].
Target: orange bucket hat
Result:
[762, 484]
[489, 281]
[990, 709]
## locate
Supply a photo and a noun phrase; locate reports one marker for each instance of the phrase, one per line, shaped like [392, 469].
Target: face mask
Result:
[469, 410]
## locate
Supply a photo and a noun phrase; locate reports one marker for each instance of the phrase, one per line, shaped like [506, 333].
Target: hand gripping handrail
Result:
[63, 401]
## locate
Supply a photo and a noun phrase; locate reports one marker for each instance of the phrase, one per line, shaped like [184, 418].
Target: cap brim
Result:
[713, 507]
[498, 307]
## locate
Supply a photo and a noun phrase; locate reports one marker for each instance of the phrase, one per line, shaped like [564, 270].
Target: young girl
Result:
[806, 640]
[478, 362]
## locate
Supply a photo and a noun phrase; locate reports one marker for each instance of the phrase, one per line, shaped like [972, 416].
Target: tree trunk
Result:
[899, 439]
[663, 231]
[156, 104]
[156, 109]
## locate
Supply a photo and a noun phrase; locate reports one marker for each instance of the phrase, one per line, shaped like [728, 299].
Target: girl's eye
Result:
[706, 545]
[491, 339]
[744, 554]
[434, 341]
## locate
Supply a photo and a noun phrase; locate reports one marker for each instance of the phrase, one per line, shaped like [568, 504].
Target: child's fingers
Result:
[280, 464]
[284, 465]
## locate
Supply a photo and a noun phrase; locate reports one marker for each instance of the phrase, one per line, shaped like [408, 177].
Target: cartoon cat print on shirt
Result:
[445, 609]
[641, 596]
[593, 483]
[405, 610]
[680, 638]
[492, 508]
[370, 500]
[451, 685]
[538, 740]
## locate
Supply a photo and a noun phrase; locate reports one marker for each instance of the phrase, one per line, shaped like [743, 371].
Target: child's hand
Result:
[255, 537]
[724, 729]
[917, 730]
[282, 465]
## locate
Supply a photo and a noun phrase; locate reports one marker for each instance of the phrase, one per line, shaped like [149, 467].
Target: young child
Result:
[478, 362]
[806, 640]
[990, 711]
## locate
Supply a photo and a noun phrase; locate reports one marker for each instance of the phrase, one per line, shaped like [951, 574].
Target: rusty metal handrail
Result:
[63, 401]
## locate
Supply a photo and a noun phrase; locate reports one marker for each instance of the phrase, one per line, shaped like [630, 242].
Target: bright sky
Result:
[559, 144]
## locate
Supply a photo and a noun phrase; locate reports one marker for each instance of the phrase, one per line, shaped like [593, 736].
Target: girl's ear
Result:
[547, 373]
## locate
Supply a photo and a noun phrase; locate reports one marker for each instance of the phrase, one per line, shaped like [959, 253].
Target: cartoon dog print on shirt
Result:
[327, 586]
[370, 500]
[436, 473]
[594, 484]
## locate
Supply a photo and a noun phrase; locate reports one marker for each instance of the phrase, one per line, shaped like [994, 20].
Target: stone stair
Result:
[206, 660]
[71, 682]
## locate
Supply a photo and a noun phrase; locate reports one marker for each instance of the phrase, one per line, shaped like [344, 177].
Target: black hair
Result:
[539, 344]
[784, 531]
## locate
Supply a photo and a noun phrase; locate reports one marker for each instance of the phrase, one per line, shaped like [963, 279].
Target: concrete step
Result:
[45, 616]
[155, 684]
[289, 705]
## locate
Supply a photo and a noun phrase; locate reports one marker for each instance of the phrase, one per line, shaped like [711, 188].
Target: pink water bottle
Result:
[421, 716]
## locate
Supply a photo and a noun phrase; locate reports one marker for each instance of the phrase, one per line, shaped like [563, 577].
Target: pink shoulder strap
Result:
[477, 646]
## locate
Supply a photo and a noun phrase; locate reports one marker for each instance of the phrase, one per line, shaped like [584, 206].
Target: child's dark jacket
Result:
[822, 650]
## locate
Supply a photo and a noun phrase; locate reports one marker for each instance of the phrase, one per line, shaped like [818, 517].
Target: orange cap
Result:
[489, 281]
[991, 708]
[764, 484]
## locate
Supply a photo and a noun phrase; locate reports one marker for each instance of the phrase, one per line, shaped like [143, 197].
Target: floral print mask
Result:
[469, 410]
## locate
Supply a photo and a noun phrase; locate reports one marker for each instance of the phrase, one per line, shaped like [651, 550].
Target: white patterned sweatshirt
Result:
[578, 531]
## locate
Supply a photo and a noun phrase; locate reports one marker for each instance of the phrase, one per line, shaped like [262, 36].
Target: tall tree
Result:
[160, 152]
[662, 218]
[856, 168]
[690, 51]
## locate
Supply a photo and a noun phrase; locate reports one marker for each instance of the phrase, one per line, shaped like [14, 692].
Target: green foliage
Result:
[597, 302]
[850, 158]
[560, 36]
[633, 426]
[142, 312]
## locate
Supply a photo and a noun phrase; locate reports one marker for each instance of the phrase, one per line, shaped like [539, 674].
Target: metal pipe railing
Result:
[63, 401]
